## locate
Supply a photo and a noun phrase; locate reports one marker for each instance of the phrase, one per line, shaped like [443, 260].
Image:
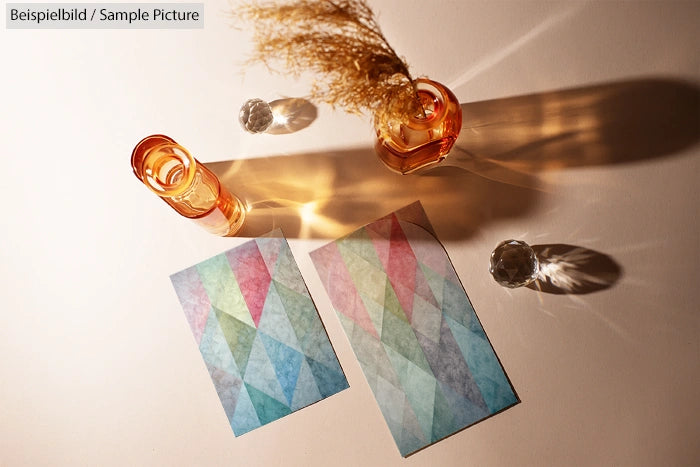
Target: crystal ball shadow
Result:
[279, 117]
[291, 115]
[569, 269]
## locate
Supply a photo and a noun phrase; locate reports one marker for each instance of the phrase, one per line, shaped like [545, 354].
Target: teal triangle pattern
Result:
[267, 408]
[286, 362]
[464, 412]
[430, 366]
[327, 379]
[419, 388]
[261, 372]
[264, 378]
[306, 391]
[444, 421]
[412, 434]
[484, 365]
[391, 401]
[245, 417]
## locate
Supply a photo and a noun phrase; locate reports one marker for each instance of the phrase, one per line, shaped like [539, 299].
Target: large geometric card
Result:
[412, 327]
[259, 333]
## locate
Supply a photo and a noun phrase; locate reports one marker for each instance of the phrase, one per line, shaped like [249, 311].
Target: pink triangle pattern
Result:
[401, 268]
[341, 288]
[380, 233]
[253, 277]
[430, 253]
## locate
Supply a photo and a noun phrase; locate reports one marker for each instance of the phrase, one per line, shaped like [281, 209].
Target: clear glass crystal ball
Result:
[255, 116]
[514, 264]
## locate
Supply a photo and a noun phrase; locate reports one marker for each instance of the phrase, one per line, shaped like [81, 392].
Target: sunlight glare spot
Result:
[307, 212]
[280, 119]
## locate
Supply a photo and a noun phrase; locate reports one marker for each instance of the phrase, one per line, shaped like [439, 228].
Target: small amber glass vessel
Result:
[171, 172]
[424, 139]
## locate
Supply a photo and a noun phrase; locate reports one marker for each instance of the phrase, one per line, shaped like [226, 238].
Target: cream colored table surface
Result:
[97, 362]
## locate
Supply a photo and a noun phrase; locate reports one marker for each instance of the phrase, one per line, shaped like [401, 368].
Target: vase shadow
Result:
[330, 194]
[613, 123]
[503, 145]
[569, 269]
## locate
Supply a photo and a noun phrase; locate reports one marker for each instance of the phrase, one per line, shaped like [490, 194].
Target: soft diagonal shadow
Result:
[503, 145]
[620, 122]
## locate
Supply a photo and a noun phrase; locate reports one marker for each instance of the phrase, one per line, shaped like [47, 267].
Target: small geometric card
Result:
[421, 347]
[259, 333]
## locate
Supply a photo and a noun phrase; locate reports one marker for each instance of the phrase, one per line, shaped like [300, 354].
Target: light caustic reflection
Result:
[281, 116]
[569, 269]
[329, 194]
[276, 196]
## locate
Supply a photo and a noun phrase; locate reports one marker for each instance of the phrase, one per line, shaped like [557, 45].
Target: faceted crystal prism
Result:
[255, 116]
[514, 264]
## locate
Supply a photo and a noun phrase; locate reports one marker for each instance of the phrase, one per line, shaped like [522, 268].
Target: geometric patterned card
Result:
[259, 333]
[412, 327]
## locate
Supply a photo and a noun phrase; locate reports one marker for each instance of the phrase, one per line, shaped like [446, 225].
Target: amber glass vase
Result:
[171, 172]
[424, 139]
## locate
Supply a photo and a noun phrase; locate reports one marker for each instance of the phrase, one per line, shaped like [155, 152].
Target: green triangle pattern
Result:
[365, 270]
[375, 311]
[222, 288]
[403, 340]
[214, 347]
[239, 338]
[360, 243]
[391, 302]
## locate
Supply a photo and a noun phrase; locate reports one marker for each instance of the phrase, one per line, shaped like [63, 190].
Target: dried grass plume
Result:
[339, 42]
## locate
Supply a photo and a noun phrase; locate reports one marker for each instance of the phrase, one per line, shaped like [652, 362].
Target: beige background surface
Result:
[98, 365]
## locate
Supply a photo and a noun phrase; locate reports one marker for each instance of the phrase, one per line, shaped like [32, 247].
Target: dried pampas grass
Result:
[341, 43]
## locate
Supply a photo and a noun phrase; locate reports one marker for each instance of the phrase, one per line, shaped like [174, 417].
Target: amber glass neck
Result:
[164, 166]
